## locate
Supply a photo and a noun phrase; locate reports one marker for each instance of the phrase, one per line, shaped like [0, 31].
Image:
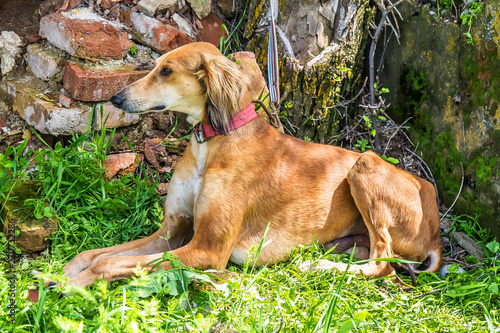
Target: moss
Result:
[484, 169]
[494, 134]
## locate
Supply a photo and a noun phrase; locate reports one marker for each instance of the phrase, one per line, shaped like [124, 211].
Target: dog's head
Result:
[195, 79]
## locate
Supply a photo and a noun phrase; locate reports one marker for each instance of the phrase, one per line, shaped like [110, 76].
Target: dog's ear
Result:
[225, 84]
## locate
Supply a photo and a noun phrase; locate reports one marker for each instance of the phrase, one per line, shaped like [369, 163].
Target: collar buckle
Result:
[199, 133]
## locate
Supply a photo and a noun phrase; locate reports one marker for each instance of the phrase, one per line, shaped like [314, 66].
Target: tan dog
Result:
[226, 190]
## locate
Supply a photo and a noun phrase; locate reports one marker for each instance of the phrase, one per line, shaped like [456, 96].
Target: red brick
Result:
[212, 29]
[158, 36]
[65, 101]
[98, 84]
[82, 34]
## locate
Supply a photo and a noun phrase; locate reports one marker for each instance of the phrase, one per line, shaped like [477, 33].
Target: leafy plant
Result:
[363, 145]
[132, 50]
[468, 17]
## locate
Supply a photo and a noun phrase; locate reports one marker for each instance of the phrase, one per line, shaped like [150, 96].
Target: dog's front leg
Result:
[210, 246]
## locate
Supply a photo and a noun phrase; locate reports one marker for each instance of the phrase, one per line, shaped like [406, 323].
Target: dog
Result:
[239, 174]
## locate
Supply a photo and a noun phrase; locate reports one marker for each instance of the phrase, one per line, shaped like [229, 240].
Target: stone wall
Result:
[451, 88]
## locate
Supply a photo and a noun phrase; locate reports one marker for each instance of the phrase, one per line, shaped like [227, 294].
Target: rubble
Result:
[45, 61]
[10, 48]
[83, 53]
[158, 36]
[150, 7]
[98, 84]
[113, 116]
[201, 7]
[83, 34]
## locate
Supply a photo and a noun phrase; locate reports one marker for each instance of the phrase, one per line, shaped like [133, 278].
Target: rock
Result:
[98, 84]
[64, 101]
[149, 7]
[107, 4]
[44, 115]
[446, 269]
[469, 245]
[183, 25]
[34, 39]
[127, 44]
[33, 232]
[158, 36]
[228, 8]
[10, 48]
[114, 117]
[120, 162]
[201, 7]
[212, 29]
[45, 61]
[82, 34]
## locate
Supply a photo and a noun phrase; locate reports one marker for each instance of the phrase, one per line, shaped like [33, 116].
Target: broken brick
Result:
[158, 36]
[82, 34]
[65, 101]
[98, 84]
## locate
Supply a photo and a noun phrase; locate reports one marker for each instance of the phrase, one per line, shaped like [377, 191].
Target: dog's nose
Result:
[117, 100]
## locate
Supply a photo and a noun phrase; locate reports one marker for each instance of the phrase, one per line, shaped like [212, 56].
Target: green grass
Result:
[93, 213]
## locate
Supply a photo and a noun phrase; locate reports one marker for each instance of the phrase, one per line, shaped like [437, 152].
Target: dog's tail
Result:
[433, 262]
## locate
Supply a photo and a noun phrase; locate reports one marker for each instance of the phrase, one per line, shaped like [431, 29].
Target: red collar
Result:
[203, 132]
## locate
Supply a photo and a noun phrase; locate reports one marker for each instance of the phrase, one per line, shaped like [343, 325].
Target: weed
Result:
[132, 50]
[363, 144]
[468, 17]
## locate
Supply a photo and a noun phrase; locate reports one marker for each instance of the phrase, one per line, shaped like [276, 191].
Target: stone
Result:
[107, 4]
[64, 101]
[149, 7]
[212, 29]
[183, 25]
[127, 44]
[158, 36]
[113, 116]
[469, 245]
[200, 7]
[98, 84]
[10, 48]
[82, 34]
[446, 269]
[228, 8]
[43, 114]
[34, 39]
[45, 61]
[33, 233]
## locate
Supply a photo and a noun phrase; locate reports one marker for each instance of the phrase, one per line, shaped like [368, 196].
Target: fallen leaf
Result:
[162, 188]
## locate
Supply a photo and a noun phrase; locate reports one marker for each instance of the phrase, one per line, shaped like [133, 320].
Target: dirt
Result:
[20, 16]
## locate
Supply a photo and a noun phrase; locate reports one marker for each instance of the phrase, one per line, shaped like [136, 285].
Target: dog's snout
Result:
[117, 100]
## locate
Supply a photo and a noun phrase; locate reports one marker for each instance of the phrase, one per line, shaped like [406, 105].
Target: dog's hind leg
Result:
[399, 212]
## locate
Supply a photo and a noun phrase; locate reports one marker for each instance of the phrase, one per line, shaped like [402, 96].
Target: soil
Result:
[20, 16]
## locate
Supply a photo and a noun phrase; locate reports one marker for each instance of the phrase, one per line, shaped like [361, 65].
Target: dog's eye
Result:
[165, 71]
